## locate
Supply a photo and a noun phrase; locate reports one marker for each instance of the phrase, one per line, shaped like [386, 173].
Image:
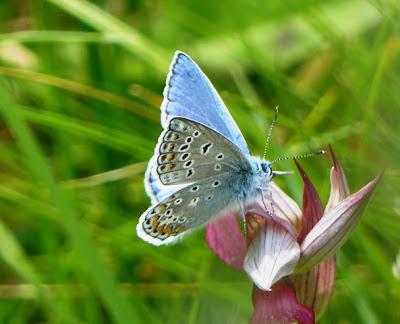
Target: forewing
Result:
[189, 208]
[189, 152]
[189, 94]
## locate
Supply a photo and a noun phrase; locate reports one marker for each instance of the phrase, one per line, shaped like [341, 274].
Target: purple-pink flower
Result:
[289, 253]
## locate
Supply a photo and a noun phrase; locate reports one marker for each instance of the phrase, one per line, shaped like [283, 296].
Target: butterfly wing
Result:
[189, 151]
[189, 208]
[191, 95]
[153, 185]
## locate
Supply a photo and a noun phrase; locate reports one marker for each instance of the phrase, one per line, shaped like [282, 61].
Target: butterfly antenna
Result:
[302, 156]
[270, 132]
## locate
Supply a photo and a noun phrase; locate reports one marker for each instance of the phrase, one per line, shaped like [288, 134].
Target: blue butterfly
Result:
[201, 165]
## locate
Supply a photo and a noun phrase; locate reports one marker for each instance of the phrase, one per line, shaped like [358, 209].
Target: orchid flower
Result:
[289, 253]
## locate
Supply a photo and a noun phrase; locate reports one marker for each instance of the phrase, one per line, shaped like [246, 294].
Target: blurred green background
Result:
[80, 89]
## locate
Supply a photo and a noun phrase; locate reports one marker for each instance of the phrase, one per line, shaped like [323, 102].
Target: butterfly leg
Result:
[270, 211]
[271, 201]
[241, 210]
[262, 198]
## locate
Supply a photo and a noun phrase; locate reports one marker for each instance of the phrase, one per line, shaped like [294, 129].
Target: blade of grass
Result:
[81, 89]
[361, 297]
[105, 177]
[29, 203]
[389, 55]
[289, 40]
[378, 261]
[13, 254]
[28, 291]
[118, 307]
[116, 239]
[103, 21]
[34, 36]
[326, 138]
[113, 138]
[195, 306]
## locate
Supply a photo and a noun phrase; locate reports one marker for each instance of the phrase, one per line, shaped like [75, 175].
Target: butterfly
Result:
[201, 165]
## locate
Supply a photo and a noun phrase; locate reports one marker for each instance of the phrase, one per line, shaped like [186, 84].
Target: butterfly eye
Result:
[266, 168]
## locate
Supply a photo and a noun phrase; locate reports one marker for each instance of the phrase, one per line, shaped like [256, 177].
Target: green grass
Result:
[80, 87]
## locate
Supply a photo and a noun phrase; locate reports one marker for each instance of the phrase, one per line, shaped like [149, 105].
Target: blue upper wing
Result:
[191, 95]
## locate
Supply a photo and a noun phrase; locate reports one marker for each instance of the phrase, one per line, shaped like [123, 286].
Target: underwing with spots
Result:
[201, 166]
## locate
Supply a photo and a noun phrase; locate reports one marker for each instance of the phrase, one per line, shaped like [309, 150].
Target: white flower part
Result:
[286, 207]
[273, 252]
[281, 205]
[339, 188]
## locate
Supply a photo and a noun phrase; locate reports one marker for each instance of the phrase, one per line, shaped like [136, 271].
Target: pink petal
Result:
[279, 306]
[334, 227]
[339, 186]
[312, 205]
[226, 240]
[314, 288]
[272, 251]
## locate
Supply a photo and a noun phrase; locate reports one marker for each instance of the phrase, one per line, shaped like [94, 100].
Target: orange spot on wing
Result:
[179, 229]
[170, 166]
[170, 156]
[160, 209]
[154, 221]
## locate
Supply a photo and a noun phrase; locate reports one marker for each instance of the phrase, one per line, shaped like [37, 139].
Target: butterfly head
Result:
[266, 169]
[263, 169]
